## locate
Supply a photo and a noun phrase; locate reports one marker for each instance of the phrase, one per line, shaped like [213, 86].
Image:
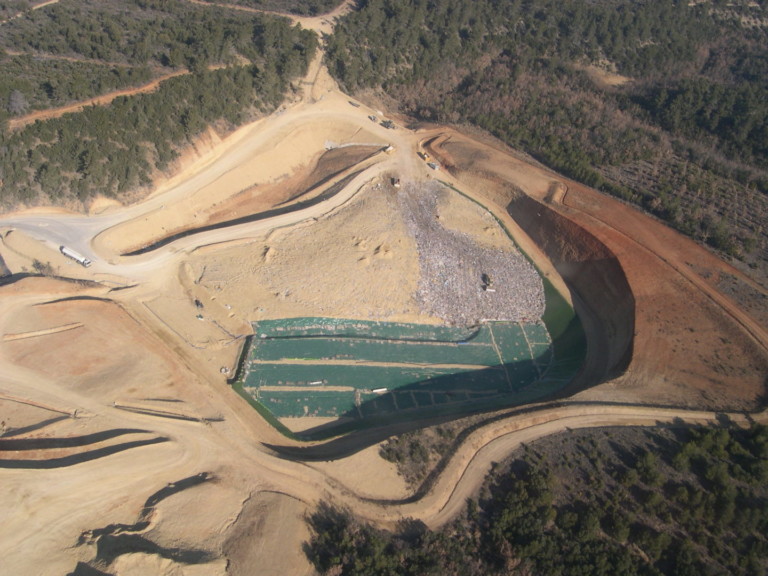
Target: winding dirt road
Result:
[103, 100]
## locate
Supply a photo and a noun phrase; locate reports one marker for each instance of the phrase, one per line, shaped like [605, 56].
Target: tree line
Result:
[610, 502]
[696, 91]
[121, 43]
[118, 148]
[28, 83]
[170, 33]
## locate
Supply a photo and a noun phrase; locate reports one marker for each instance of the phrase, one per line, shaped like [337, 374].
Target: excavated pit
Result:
[603, 298]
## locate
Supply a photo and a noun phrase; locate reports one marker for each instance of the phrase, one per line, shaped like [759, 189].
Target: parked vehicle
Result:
[76, 256]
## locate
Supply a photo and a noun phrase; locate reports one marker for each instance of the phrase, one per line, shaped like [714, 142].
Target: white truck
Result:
[76, 256]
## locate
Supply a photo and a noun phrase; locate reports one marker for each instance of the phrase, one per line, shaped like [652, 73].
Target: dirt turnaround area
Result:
[123, 450]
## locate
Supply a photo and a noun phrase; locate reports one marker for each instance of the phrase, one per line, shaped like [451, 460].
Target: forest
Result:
[662, 104]
[240, 66]
[9, 8]
[614, 501]
[682, 133]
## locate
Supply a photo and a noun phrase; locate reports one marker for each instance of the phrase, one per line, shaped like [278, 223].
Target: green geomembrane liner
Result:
[375, 372]
[329, 367]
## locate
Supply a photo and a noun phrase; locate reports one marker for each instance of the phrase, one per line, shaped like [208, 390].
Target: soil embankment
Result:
[603, 295]
[595, 278]
[687, 344]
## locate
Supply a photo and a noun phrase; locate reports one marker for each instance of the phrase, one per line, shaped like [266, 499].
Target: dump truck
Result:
[76, 256]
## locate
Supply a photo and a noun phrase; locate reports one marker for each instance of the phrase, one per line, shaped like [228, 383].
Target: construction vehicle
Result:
[423, 155]
[487, 283]
[76, 256]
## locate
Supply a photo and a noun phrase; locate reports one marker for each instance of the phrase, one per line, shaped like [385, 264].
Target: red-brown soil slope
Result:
[647, 295]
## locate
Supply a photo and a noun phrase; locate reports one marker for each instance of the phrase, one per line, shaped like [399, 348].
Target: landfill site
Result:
[125, 447]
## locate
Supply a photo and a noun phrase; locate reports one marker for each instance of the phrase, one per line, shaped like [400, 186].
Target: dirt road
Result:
[104, 99]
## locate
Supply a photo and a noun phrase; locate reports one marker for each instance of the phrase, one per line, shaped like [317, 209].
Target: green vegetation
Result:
[9, 8]
[117, 149]
[733, 117]
[170, 33]
[83, 49]
[28, 83]
[614, 501]
[685, 138]
[417, 453]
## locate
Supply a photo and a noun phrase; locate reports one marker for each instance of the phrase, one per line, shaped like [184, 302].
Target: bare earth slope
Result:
[643, 283]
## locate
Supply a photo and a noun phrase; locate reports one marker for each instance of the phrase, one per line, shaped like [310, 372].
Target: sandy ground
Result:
[367, 268]
[115, 393]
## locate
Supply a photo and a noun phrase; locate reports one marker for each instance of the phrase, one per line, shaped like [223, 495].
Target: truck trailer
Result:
[76, 256]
